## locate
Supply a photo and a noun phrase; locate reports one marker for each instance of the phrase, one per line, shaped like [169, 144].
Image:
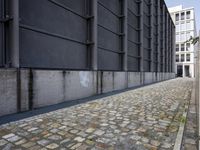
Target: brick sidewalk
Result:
[145, 118]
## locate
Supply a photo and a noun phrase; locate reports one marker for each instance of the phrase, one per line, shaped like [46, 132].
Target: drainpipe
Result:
[14, 33]
[13, 42]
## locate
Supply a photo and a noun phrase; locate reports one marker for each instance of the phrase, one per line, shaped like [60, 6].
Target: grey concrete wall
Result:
[120, 80]
[107, 82]
[8, 91]
[80, 84]
[24, 94]
[47, 88]
[40, 88]
[148, 77]
[134, 79]
[52, 87]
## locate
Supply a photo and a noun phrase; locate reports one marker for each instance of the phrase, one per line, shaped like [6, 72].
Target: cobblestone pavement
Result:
[145, 118]
[190, 137]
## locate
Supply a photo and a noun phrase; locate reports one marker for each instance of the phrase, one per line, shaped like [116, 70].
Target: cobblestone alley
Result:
[140, 119]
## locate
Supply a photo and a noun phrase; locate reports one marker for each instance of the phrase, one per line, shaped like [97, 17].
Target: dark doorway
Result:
[179, 71]
[187, 71]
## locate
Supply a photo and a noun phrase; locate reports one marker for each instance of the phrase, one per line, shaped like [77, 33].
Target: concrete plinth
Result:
[8, 91]
[37, 88]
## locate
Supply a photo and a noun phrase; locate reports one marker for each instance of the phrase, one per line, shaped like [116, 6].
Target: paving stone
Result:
[145, 140]
[14, 138]
[35, 148]
[8, 146]
[65, 141]
[21, 142]
[28, 145]
[76, 146]
[32, 129]
[190, 147]
[90, 130]
[43, 142]
[155, 143]
[8, 136]
[79, 139]
[73, 131]
[52, 146]
[166, 145]
[99, 132]
[3, 142]
[135, 137]
[55, 137]
[83, 147]
[190, 141]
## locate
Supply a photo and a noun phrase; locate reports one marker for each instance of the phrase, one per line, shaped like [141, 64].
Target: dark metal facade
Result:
[54, 34]
[133, 35]
[1, 34]
[110, 34]
[115, 35]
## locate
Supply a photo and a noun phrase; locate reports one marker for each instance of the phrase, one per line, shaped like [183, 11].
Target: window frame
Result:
[188, 56]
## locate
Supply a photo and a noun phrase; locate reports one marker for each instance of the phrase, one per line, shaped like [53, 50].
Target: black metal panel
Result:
[53, 34]
[41, 51]
[155, 36]
[161, 38]
[107, 60]
[133, 36]
[147, 35]
[1, 35]
[133, 64]
[109, 35]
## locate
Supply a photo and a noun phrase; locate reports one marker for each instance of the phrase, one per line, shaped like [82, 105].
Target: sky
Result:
[187, 3]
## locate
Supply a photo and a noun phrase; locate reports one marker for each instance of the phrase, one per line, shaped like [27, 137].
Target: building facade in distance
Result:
[184, 20]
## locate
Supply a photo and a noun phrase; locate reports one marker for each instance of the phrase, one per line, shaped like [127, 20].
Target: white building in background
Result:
[184, 19]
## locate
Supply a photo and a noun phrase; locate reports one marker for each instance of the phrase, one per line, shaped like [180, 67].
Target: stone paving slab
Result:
[147, 118]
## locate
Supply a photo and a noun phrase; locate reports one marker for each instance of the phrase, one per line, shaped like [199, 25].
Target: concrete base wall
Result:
[134, 79]
[38, 88]
[8, 92]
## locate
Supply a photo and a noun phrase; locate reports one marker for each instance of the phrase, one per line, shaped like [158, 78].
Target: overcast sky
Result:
[187, 3]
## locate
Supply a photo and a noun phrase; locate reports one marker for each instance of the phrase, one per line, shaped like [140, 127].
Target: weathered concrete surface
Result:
[47, 88]
[120, 80]
[147, 118]
[38, 88]
[79, 84]
[8, 91]
[24, 95]
[107, 82]
[148, 77]
[134, 79]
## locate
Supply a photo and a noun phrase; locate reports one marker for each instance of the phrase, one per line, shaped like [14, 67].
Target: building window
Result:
[188, 25]
[182, 26]
[177, 27]
[177, 58]
[187, 57]
[188, 35]
[182, 57]
[177, 37]
[182, 47]
[188, 47]
[177, 17]
[182, 16]
[188, 15]
[177, 47]
[183, 38]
